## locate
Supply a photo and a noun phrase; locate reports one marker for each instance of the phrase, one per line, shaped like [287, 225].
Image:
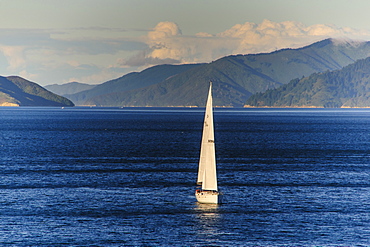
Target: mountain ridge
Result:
[131, 81]
[348, 87]
[235, 78]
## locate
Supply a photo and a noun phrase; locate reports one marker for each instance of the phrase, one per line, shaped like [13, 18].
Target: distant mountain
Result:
[69, 88]
[131, 81]
[347, 87]
[16, 91]
[235, 78]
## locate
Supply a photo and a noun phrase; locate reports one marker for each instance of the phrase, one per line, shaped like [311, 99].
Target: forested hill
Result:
[235, 78]
[16, 91]
[347, 87]
[128, 82]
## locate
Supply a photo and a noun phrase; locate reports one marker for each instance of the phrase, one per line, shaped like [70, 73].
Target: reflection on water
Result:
[207, 208]
[209, 220]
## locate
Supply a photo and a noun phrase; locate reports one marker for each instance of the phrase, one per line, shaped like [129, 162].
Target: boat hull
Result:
[206, 196]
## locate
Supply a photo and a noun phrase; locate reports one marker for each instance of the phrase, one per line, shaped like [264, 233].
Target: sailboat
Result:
[207, 175]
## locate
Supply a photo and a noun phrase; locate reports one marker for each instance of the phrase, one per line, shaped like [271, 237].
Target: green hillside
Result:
[131, 81]
[17, 91]
[347, 87]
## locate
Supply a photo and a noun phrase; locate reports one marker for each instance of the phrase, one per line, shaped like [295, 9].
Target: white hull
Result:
[206, 196]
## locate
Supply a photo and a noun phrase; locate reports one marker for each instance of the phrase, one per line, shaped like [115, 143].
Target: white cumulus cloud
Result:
[164, 30]
[166, 42]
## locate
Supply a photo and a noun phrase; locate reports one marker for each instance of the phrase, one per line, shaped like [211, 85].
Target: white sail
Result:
[207, 163]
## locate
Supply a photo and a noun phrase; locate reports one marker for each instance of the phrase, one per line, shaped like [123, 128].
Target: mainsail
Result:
[207, 176]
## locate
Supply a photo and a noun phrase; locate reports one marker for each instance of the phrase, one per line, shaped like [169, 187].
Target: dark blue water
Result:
[126, 177]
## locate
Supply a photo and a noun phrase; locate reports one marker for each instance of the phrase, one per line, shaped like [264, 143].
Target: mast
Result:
[207, 176]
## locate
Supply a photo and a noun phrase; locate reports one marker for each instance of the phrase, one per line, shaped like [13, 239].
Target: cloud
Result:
[166, 41]
[14, 55]
[142, 59]
[163, 42]
[44, 55]
[203, 34]
[164, 30]
[166, 44]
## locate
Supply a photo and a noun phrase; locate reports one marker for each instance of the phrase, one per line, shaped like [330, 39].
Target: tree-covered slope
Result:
[347, 87]
[189, 88]
[15, 90]
[131, 81]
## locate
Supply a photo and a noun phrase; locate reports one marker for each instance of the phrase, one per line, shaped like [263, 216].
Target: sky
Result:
[93, 41]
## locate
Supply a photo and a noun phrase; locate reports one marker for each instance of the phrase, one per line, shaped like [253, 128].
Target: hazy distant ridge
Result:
[69, 88]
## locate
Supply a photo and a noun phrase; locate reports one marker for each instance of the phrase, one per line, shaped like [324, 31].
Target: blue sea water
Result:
[126, 177]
